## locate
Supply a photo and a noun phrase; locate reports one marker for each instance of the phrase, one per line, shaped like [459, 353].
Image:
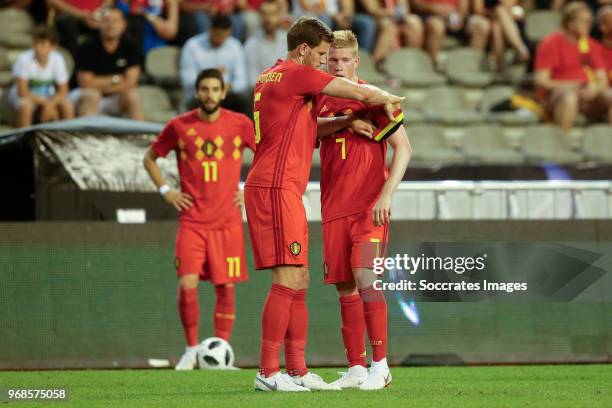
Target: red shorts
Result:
[351, 242]
[217, 255]
[278, 227]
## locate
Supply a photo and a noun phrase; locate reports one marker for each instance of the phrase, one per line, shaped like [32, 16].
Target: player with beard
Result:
[208, 143]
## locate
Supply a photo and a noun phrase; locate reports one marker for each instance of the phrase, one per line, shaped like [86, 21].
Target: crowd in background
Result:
[109, 40]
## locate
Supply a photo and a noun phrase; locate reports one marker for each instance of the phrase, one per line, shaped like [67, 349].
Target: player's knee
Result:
[347, 288]
[189, 281]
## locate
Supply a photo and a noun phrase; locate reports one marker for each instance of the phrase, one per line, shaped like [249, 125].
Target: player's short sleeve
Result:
[307, 80]
[166, 141]
[249, 133]
[546, 55]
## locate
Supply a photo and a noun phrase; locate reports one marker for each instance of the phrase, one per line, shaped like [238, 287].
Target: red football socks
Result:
[296, 335]
[224, 311]
[375, 311]
[274, 322]
[353, 329]
[189, 311]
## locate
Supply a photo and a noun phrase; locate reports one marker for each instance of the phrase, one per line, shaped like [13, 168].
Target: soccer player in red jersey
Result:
[356, 189]
[286, 130]
[208, 143]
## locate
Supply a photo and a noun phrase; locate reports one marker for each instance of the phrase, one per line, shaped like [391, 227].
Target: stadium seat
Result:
[597, 143]
[6, 76]
[447, 105]
[540, 23]
[486, 144]
[367, 70]
[162, 65]
[497, 94]
[468, 67]
[548, 144]
[413, 67]
[429, 146]
[17, 26]
[156, 104]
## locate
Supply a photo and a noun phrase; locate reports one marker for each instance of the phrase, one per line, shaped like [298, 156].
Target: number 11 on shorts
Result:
[233, 263]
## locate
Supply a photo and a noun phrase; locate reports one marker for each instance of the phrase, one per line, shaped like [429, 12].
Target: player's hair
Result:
[45, 33]
[571, 11]
[345, 39]
[221, 22]
[309, 30]
[209, 73]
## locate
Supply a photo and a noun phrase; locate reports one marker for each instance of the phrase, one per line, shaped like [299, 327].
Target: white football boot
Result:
[277, 382]
[314, 382]
[353, 378]
[188, 359]
[378, 378]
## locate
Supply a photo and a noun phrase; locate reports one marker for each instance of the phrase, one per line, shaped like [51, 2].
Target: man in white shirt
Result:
[268, 44]
[217, 49]
[41, 81]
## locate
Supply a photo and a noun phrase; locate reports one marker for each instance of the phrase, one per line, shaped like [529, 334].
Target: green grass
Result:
[497, 386]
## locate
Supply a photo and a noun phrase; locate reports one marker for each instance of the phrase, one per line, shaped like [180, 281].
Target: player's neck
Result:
[206, 117]
[295, 57]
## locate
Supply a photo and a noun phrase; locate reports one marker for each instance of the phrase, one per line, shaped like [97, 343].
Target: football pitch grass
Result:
[488, 386]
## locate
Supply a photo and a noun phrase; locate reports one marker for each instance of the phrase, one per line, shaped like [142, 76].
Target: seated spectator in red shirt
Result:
[108, 69]
[604, 18]
[76, 17]
[570, 72]
[452, 17]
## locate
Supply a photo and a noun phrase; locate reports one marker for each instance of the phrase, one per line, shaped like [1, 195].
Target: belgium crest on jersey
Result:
[295, 248]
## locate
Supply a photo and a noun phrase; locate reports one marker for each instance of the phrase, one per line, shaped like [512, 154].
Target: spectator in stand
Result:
[570, 72]
[252, 18]
[268, 44]
[340, 15]
[396, 25]
[76, 17]
[151, 23]
[108, 69]
[452, 17]
[41, 81]
[217, 49]
[504, 15]
[604, 19]
[197, 16]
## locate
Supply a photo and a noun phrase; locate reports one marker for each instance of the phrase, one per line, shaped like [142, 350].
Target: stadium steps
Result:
[447, 105]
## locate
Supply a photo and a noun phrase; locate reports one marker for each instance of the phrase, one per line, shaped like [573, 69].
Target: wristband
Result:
[164, 189]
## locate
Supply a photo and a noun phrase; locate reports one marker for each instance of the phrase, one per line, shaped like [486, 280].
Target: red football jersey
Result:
[209, 156]
[286, 125]
[353, 168]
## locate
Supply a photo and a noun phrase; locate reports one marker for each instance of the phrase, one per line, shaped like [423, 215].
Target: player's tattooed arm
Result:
[329, 126]
[402, 152]
[179, 200]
